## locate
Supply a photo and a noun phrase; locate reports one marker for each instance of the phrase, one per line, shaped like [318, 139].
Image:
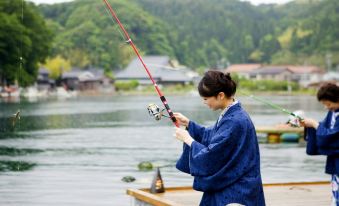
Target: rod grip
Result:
[164, 101]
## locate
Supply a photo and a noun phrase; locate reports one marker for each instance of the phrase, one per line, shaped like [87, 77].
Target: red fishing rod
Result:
[130, 42]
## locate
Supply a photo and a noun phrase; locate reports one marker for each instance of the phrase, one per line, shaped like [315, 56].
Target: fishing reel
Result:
[295, 119]
[156, 112]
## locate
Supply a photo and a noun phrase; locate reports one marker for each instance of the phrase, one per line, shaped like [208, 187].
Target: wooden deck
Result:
[279, 129]
[279, 194]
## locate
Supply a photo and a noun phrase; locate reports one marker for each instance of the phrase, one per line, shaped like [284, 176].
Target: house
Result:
[242, 70]
[306, 75]
[91, 79]
[161, 68]
[331, 76]
[303, 75]
[277, 73]
[44, 83]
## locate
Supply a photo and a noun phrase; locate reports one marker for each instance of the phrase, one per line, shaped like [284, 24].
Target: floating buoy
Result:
[128, 179]
[290, 137]
[145, 166]
[273, 138]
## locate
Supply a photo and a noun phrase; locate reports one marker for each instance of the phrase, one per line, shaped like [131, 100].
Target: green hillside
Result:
[86, 35]
[198, 33]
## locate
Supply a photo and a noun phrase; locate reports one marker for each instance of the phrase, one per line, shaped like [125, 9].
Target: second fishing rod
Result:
[275, 106]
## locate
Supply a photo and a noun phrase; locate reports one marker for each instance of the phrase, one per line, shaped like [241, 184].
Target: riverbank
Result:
[192, 90]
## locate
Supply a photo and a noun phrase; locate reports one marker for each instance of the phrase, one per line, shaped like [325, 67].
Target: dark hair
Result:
[328, 91]
[215, 82]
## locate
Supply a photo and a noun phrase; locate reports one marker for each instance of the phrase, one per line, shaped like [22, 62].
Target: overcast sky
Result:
[256, 2]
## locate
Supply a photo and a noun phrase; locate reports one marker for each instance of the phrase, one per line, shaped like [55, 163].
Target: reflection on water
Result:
[10, 151]
[76, 152]
[15, 166]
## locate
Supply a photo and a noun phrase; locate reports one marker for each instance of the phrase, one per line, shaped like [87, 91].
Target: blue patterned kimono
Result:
[224, 160]
[325, 141]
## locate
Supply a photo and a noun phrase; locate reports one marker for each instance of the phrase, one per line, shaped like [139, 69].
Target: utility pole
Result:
[328, 61]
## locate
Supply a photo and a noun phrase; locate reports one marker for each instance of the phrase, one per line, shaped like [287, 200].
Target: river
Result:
[76, 151]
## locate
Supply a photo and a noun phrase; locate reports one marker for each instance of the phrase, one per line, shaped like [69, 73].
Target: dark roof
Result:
[43, 70]
[136, 70]
[74, 73]
[91, 74]
[159, 67]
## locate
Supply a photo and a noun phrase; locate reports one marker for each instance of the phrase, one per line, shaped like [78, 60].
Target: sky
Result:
[255, 2]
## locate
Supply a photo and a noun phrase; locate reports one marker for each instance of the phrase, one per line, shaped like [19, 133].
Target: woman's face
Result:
[329, 105]
[211, 102]
[215, 102]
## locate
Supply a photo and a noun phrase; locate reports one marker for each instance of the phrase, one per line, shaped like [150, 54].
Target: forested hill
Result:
[198, 33]
[208, 31]
[86, 35]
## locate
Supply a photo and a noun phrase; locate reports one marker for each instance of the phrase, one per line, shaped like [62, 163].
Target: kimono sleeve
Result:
[311, 138]
[196, 131]
[328, 139]
[183, 162]
[323, 140]
[207, 160]
[327, 136]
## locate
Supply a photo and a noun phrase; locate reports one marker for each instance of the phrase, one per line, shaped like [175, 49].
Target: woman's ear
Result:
[221, 95]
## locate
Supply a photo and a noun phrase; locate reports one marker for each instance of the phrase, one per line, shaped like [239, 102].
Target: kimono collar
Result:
[336, 113]
[229, 106]
[333, 119]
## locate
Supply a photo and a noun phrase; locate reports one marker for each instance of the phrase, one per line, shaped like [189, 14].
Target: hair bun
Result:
[215, 82]
[227, 76]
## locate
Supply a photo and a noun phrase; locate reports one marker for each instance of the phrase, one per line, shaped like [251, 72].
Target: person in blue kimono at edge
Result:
[323, 137]
[223, 158]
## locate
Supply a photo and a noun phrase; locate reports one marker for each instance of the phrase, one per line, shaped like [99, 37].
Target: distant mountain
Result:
[198, 33]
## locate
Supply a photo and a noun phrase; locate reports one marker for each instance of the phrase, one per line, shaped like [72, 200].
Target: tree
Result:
[269, 45]
[25, 41]
[198, 33]
[57, 66]
[98, 39]
[214, 52]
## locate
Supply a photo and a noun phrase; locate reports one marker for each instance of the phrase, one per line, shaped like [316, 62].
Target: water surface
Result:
[76, 151]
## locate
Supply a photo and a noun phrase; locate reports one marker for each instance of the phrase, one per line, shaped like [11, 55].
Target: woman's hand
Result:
[184, 136]
[182, 120]
[308, 122]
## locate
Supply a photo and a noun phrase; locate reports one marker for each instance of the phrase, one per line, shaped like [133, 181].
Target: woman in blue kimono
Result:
[323, 137]
[223, 158]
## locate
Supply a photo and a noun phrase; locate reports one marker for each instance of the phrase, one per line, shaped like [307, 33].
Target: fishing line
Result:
[130, 42]
[16, 117]
[115, 26]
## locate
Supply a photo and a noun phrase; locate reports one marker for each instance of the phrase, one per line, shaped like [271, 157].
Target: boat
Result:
[62, 93]
[8, 92]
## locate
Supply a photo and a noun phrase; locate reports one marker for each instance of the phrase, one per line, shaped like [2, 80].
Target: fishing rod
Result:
[130, 42]
[277, 107]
